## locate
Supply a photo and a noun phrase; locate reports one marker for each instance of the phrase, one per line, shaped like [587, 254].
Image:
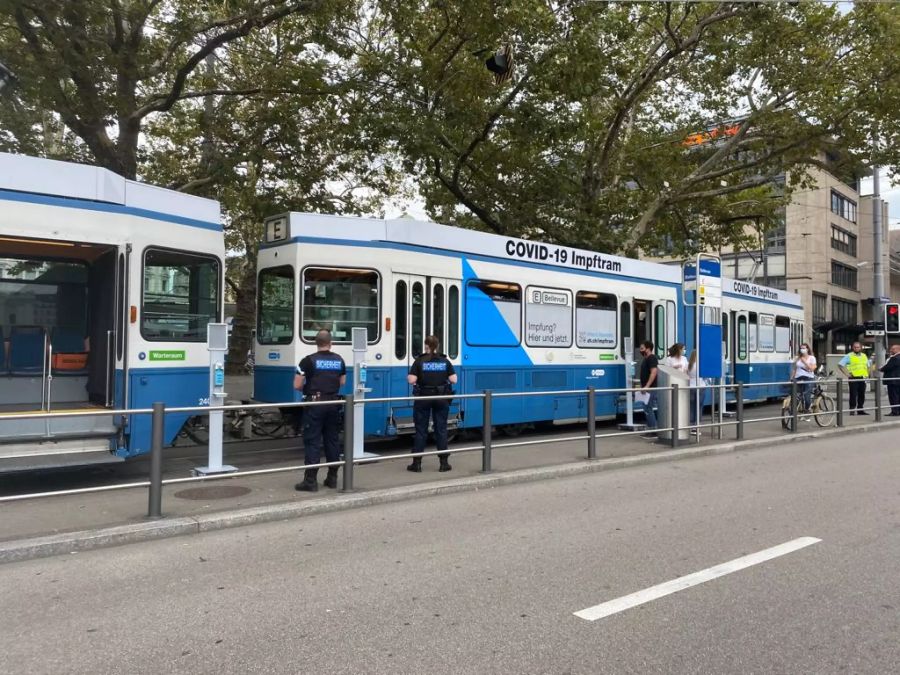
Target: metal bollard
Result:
[878, 397]
[839, 394]
[487, 431]
[158, 422]
[592, 422]
[739, 410]
[795, 408]
[348, 444]
[673, 414]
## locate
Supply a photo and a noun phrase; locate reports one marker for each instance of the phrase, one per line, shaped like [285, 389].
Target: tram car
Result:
[512, 316]
[762, 330]
[106, 288]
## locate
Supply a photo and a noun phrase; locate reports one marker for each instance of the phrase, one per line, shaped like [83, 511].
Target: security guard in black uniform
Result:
[431, 374]
[320, 377]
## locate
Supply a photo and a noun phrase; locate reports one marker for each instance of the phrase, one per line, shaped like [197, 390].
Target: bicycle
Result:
[822, 407]
[265, 423]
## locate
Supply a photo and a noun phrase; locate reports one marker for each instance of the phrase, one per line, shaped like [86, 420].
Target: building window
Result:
[845, 208]
[843, 311]
[843, 275]
[777, 282]
[843, 241]
[775, 240]
[819, 303]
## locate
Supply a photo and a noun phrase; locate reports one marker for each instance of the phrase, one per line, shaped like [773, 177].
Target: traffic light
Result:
[892, 318]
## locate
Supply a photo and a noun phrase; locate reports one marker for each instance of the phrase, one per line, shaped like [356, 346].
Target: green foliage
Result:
[586, 144]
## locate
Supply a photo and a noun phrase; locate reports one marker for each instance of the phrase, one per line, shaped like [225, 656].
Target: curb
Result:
[86, 540]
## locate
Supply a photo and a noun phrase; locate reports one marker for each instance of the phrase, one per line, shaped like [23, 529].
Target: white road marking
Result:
[681, 583]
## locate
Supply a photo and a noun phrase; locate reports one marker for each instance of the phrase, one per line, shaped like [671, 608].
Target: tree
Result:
[105, 66]
[288, 146]
[239, 100]
[588, 144]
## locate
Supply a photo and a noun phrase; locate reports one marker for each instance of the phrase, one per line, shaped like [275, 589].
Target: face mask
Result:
[803, 351]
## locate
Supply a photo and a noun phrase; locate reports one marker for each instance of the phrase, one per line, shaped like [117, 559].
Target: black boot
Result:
[331, 478]
[445, 463]
[416, 465]
[309, 484]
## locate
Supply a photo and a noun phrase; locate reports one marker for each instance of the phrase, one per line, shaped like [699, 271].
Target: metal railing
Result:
[155, 481]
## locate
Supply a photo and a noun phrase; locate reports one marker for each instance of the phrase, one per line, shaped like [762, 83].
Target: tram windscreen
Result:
[51, 294]
[339, 300]
[275, 316]
[180, 296]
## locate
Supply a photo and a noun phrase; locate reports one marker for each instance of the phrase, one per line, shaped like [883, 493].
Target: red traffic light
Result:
[893, 310]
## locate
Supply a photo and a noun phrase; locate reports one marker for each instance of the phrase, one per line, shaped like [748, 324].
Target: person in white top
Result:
[804, 372]
[676, 359]
[697, 394]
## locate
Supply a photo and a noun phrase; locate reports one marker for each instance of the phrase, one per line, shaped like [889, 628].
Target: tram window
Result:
[339, 300]
[437, 313]
[625, 326]
[275, 302]
[493, 313]
[751, 332]
[742, 338]
[766, 333]
[595, 320]
[418, 319]
[659, 328]
[400, 320]
[726, 346]
[50, 294]
[782, 334]
[548, 317]
[453, 321]
[180, 295]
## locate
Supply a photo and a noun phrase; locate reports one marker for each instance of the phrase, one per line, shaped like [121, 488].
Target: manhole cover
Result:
[213, 492]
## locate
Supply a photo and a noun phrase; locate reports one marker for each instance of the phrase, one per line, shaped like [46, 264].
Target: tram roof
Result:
[425, 234]
[54, 178]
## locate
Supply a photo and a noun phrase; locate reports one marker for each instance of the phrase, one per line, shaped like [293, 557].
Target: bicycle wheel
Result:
[786, 414]
[268, 423]
[824, 409]
[197, 429]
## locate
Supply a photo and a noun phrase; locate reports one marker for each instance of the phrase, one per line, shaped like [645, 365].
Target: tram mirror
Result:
[217, 336]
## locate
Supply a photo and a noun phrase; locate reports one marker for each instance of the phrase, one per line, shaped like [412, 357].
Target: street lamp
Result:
[8, 78]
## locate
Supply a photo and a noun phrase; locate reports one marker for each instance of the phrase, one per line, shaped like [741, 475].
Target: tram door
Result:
[422, 306]
[739, 346]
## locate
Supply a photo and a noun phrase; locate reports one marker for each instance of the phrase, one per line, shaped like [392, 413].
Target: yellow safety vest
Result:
[859, 365]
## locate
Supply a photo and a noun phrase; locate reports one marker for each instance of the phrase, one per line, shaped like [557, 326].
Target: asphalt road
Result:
[489, 582]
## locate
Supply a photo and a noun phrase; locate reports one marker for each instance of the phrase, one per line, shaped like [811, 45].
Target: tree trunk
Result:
[244, 317]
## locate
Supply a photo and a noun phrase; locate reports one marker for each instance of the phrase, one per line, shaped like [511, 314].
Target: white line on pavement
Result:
[660, 590]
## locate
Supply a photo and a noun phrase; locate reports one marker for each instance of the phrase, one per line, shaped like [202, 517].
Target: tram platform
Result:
[88, 514]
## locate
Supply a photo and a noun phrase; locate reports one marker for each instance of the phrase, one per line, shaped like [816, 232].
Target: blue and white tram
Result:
[512, 315]
[762, 329]
[106, 288]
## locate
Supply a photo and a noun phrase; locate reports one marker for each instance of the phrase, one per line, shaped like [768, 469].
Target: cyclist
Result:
[804, 373]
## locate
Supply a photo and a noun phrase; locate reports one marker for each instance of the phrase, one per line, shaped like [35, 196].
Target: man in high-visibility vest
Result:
[857, 367]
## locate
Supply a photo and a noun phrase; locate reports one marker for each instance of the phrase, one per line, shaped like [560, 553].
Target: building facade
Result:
[824, 251]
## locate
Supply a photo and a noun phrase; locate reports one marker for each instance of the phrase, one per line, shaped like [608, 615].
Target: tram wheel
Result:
[512, 430]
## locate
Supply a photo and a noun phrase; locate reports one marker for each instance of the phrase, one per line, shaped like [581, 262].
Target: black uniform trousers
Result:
[893, 389]
[857, 393]
[437, 410]
[321, 426]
